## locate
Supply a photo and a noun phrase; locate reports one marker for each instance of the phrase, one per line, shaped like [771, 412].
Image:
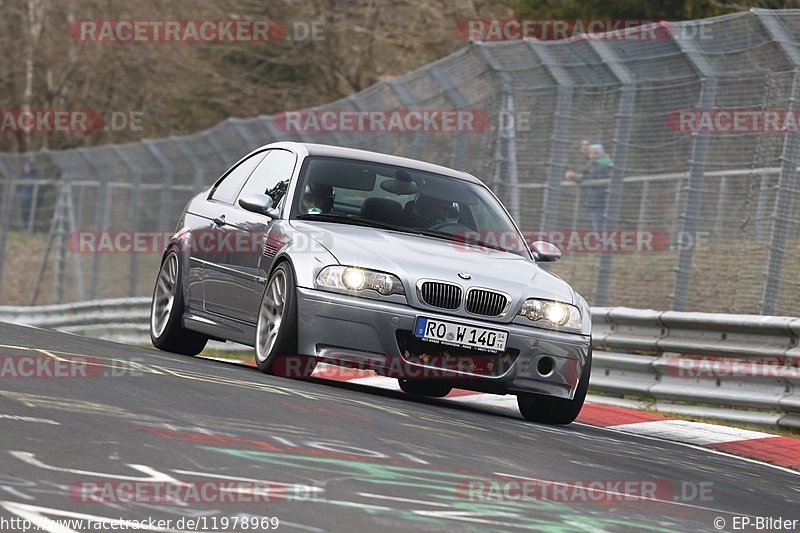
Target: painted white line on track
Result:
[698, 433]
[379, 382]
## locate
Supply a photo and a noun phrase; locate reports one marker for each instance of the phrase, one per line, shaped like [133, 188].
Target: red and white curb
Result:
[773, 449]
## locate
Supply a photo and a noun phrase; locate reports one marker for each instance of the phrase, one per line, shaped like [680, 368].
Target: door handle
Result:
[220, 220]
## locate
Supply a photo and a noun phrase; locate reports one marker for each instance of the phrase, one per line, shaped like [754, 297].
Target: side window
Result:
[230, 184]
[272, 176]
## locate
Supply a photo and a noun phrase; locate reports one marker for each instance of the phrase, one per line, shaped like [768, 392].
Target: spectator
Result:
[571, 174]
[596, 193]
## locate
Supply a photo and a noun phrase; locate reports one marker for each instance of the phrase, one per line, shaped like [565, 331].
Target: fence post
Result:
[762, 206]
[409, 102]
[387, 138]
[165, 214]
[272, 135]
[505, 153]
[199, 172]
[504, 162]
[787, 181]
[71, 226]
[460, 144]
[509, 136]
[697, 168]
[219, 151]
[244, 135]
[551, 203]
[348, 139]
[101, 215]
[136, 201]
[5, 214]
[625, 110]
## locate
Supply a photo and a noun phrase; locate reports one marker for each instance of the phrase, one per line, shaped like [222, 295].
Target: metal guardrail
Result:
[742, 368]
[120, 320]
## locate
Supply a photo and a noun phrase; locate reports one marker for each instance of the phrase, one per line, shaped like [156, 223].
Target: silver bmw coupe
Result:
[314, 253]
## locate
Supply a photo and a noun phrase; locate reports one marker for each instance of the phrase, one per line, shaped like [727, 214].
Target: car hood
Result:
[414, 257]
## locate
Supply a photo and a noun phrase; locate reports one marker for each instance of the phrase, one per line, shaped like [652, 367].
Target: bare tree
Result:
[183, 87]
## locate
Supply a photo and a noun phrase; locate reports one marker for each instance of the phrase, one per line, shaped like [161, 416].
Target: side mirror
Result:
[259, 203]
[545, 252]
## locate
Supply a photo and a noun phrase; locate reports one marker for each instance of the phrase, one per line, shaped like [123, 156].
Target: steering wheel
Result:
[449, 224]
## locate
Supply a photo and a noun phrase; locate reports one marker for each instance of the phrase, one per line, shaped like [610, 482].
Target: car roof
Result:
[327, 150]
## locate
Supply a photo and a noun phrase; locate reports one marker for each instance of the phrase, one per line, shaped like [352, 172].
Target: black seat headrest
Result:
[382, 210]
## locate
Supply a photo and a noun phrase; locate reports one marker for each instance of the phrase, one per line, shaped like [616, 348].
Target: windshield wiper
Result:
[457, 237]
[355, 220]
[361, 221]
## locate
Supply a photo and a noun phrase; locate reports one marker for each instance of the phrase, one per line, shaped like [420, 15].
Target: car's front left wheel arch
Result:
[276, 327]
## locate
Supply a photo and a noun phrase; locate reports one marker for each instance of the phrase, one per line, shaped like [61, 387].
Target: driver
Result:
[433, 211]
[317, 199]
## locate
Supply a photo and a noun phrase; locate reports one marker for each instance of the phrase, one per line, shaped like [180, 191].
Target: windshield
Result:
[403, 199]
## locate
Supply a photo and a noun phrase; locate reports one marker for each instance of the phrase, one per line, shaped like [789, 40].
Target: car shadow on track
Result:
[508, 412]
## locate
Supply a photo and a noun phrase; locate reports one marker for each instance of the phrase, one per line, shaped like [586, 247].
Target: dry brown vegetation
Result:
[185, 87]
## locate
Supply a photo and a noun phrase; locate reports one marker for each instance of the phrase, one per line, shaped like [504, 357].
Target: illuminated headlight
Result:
[353, 279]
[553, 315]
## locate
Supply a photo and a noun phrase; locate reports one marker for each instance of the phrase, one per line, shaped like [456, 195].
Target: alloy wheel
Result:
[270, 315]
[164, 297]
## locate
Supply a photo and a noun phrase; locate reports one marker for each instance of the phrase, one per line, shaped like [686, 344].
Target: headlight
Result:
[553, 315]
[354, 280]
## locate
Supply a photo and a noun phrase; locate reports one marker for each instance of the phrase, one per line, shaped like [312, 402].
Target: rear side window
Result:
[228, 188]
[272, 176]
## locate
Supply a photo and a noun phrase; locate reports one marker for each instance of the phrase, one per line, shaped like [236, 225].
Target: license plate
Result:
[439, 331]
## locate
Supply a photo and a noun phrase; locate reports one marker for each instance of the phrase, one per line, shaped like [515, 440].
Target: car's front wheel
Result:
[548, 410]
[424, 387]
[276, 331]
[166, 312]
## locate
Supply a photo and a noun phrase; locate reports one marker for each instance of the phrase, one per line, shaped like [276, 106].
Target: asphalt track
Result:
[334, 456]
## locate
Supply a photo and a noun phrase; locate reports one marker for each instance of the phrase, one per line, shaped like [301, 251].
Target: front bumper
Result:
[363, 332]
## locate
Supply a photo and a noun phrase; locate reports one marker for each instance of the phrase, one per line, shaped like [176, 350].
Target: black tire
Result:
[549, 410]
[424, 387]
[172, 337]
[279, 357]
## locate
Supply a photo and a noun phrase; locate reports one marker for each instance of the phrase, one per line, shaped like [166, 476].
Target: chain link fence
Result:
[696, 218]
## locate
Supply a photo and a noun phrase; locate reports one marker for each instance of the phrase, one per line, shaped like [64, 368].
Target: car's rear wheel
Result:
[424, 387]
[166, 312]
[276, 331]
[548, 410]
